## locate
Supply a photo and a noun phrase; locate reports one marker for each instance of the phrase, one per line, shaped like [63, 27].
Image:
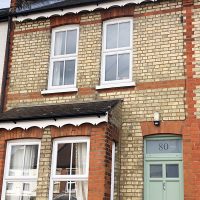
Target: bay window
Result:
[21, 170]
[70, 164]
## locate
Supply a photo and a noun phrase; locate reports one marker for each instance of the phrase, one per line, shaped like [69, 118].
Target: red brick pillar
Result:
[100, 163]
[191, 130]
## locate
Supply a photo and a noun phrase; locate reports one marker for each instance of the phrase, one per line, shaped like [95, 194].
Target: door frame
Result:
[162, 158]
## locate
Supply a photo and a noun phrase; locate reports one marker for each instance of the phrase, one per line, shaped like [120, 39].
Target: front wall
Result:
[157, 56]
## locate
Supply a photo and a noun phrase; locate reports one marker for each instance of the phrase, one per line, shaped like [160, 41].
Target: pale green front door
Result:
[163, 168]
[164, 180]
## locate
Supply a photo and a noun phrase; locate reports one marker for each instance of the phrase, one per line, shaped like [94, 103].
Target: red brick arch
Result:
[166, 127]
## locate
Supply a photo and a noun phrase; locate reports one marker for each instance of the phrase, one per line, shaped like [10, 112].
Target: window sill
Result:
[115, 85]
[63, 90]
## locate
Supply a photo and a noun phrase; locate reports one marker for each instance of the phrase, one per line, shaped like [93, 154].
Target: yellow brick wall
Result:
[196, 2]
[30, 58]
[158, 48]
[89, 56]
[157, 56]
[160, 5]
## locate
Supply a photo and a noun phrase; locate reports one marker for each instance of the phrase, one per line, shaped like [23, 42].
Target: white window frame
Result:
[72, 178]
[6, 177]
[62, 88]
[112, 190]
[116, 51]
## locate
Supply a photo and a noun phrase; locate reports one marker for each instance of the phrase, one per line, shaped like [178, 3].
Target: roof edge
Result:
[60, 11]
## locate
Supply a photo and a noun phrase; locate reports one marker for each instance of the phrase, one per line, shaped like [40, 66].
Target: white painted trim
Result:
[7, 163]
[55, 177]
[76, 10]
[113, 172]
[61, 90]
[116, 51]
[76, 121]
[116, 85]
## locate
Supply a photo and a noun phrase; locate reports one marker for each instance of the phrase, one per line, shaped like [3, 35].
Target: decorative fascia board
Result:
[77, 9]
[76, 121]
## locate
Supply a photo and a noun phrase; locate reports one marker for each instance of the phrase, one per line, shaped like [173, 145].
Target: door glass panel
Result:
[156, 171]
[172, 171]
[163, 146]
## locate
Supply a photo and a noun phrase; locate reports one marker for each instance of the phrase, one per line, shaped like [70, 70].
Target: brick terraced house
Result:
[101, 100]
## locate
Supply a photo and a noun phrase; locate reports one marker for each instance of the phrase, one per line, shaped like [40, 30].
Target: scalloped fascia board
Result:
[76, 121]
[77, 9]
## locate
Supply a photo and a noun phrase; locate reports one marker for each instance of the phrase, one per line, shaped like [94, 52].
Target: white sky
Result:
[4, 3]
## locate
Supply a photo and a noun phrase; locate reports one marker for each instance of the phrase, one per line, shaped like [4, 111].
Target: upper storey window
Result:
[117, 52]
[63, 61]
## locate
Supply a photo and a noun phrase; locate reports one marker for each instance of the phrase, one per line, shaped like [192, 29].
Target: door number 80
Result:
[163, 146]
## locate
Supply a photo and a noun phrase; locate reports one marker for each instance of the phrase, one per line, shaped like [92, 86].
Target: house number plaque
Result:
[163, 146]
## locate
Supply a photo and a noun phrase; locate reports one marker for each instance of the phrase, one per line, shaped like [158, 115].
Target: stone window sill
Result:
[54, 91]
[117, 85]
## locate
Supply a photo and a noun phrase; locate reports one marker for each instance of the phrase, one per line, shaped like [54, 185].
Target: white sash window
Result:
[63, 62]
[70, 164]
[21, 170]
[117, 52]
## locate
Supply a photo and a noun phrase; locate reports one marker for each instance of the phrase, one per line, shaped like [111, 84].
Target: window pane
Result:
[70, 190]
[110, 68]
[16, 160]
[63, 159]
[23, 160]
[156, 171]
[172, 171]
[111, 36]
[71, 41]
[21, 190]
[124, 34]
[69, 72]
[30, 160]
[123, 66]
[79, 161]
[71, 164]
[59, 47]
[58, 70]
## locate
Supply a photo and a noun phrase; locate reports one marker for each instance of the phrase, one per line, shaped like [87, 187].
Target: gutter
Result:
[6, 63]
